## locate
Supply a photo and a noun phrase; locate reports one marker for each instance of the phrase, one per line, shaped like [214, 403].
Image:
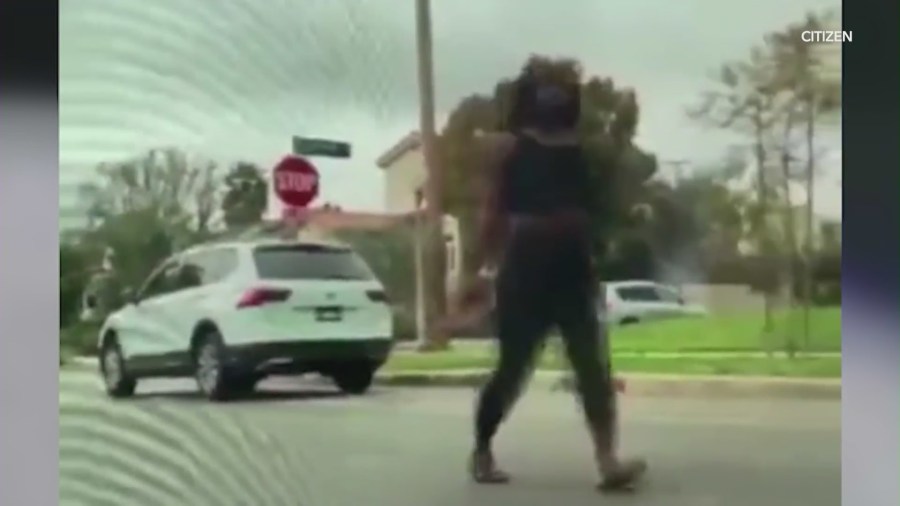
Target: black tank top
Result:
[540, 180]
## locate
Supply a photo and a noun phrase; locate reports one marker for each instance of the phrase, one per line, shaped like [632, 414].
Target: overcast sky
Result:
[234, 79]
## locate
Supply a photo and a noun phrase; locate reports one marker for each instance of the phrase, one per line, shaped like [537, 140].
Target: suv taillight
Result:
[256, 297]
[377, 296]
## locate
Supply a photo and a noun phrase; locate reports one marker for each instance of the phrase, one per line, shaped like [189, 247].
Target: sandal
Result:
[483, 469]
[624, 477]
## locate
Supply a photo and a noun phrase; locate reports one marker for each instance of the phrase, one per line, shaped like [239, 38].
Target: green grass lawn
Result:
[801, 367]
[730, 333]
[695, 335]
[738, 333]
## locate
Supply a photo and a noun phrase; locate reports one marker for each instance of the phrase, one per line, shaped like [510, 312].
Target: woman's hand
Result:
[475, 292]
[470, 304]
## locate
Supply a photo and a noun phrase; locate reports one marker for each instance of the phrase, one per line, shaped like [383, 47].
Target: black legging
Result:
[544, 283]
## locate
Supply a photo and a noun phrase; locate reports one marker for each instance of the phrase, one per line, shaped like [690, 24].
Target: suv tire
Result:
[354, 379]
[118, 382]
[210, 372]
[244, 384]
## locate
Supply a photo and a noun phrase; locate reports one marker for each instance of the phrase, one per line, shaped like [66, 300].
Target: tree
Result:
[75, 264]
[245, 197]
[716, 215]
[390, 255]
[743, 100]
[609, 120]
[715, 211]
[814, 95]
[178, 190]
[139, 240]
[831, 238]
[145, 208]
[206, 199]
[783, 145]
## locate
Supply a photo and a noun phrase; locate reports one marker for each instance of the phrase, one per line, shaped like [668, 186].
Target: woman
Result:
[535, 232]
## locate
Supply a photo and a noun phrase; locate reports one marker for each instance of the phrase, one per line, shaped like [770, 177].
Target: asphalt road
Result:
[301, 444]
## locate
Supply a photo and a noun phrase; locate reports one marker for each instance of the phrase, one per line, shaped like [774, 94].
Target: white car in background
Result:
[231, 314]
[630, 302]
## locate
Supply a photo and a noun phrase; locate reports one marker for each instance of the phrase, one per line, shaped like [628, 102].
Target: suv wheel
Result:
[629, 320]
[354, 379]
[244, 384]
[116, 379]
[209, 367]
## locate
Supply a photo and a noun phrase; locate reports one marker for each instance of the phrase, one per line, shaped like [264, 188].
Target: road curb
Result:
[647, 385]
[83, 361]
[643, 385]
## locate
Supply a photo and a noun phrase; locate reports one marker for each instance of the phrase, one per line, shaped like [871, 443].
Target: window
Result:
[638, 294]
[224, 262]
[309, 261]
[190, 275]
[451, 253]
[162, 281]
[668, 295]
[210, 266]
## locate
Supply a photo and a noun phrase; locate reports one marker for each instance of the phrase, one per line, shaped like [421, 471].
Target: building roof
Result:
[408, 143]
[337, 220]
[330, 220]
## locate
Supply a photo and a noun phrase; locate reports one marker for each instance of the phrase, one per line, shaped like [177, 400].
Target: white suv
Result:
[629, 302]
[231, 314]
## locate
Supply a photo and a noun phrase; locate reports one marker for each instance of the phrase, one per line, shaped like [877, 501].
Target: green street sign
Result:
[306, 146]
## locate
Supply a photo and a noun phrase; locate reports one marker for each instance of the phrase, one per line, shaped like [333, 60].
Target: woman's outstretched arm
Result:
[492, 220]
[473, 300]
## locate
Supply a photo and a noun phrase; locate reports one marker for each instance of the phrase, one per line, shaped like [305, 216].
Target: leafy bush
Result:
[404, 325]
[79, 339]
[827, 280]
[390, 254]
[74, 263]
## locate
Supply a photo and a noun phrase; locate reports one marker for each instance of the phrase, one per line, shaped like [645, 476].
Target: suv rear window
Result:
[306, 261]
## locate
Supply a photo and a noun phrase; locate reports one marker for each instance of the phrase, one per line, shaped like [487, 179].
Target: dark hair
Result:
[546, 96]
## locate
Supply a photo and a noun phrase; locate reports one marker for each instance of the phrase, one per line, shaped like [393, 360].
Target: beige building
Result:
[404, 175]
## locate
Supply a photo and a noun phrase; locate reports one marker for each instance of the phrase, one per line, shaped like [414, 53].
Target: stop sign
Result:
[296, 181]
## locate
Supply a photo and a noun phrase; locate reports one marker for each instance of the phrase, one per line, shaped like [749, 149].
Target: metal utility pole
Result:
[434, 250]
[421, 334]
[809, 249]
